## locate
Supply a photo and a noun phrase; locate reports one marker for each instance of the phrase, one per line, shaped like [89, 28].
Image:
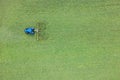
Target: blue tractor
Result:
[33, 31]
[30, 31]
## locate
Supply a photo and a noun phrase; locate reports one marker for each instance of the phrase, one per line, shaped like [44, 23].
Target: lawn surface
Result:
[81, 40]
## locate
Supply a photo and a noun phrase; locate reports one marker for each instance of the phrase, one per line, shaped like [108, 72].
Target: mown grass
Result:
[80, 42]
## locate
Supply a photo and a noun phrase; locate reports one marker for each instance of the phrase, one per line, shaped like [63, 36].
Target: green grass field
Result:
[81, 40]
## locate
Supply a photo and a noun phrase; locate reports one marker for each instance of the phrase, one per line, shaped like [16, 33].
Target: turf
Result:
[81, 40]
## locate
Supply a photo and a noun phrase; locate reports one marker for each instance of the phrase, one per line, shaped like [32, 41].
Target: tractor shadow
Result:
[42, 35]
